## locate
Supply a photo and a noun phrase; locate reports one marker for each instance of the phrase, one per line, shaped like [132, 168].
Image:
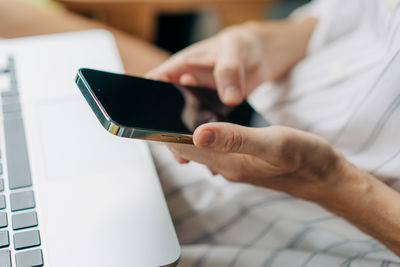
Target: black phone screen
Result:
[141, 103]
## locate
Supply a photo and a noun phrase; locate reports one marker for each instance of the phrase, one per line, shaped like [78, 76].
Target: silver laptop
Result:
[72, 194]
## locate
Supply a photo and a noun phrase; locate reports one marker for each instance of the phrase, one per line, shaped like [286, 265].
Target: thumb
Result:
[230, 138]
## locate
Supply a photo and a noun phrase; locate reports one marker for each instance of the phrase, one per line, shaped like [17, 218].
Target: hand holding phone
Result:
[135, 107]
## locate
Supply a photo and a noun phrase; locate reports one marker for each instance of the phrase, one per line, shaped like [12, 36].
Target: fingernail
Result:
[207, 138]
[232, 94]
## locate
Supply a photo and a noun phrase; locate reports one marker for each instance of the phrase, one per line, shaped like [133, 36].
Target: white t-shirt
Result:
[348, 91]
[348, 88]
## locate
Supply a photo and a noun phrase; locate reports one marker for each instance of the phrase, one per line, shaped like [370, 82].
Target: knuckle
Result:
[233, 142]
[228, 33]
[185, 62]
[232, 68]
[288, 149]
[182, 59]
[286, 146]
[252, 24]
[232, 33]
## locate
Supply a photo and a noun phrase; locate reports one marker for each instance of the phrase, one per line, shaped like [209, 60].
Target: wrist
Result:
[344, 187]
[366, 202]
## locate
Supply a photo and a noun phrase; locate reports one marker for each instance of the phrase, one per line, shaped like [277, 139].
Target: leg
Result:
[19, 19]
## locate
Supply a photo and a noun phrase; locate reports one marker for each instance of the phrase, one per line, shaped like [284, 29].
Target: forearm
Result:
[366, 202]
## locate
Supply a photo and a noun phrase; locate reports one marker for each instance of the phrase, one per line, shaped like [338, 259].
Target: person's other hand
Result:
[276, 157]
[239, 58]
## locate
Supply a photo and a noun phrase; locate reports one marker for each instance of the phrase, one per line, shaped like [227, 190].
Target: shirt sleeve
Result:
[336, 18]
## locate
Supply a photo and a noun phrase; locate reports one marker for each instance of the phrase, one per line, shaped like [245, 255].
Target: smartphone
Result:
[140, 108]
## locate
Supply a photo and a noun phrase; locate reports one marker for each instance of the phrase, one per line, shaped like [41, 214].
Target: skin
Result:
[238, 59]
[302, 164]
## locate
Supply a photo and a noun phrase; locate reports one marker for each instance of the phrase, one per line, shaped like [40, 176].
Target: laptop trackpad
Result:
[75, 142]
[100, 202]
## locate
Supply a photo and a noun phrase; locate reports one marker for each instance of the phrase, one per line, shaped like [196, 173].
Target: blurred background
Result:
[169, 24]
[175, 24]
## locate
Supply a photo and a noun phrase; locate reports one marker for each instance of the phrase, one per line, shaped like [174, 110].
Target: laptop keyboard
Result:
[20, 243]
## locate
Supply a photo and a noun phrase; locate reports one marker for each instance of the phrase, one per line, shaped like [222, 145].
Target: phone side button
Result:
[168, 138]
[184, 140]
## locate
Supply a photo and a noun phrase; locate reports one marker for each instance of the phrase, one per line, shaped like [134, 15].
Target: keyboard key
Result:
[22, 200]
[24, 220]
[26, 239]
[5, 258]
[4, 240]
[3, 220]
[1, 184]
[2, 202]
[31, 258]
[13, 107]
[5, 80]
[19, 172]
[10, 93]
[10, 100]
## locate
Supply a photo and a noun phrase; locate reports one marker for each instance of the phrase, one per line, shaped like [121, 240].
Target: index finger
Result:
[180, 63]
[229, 70]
